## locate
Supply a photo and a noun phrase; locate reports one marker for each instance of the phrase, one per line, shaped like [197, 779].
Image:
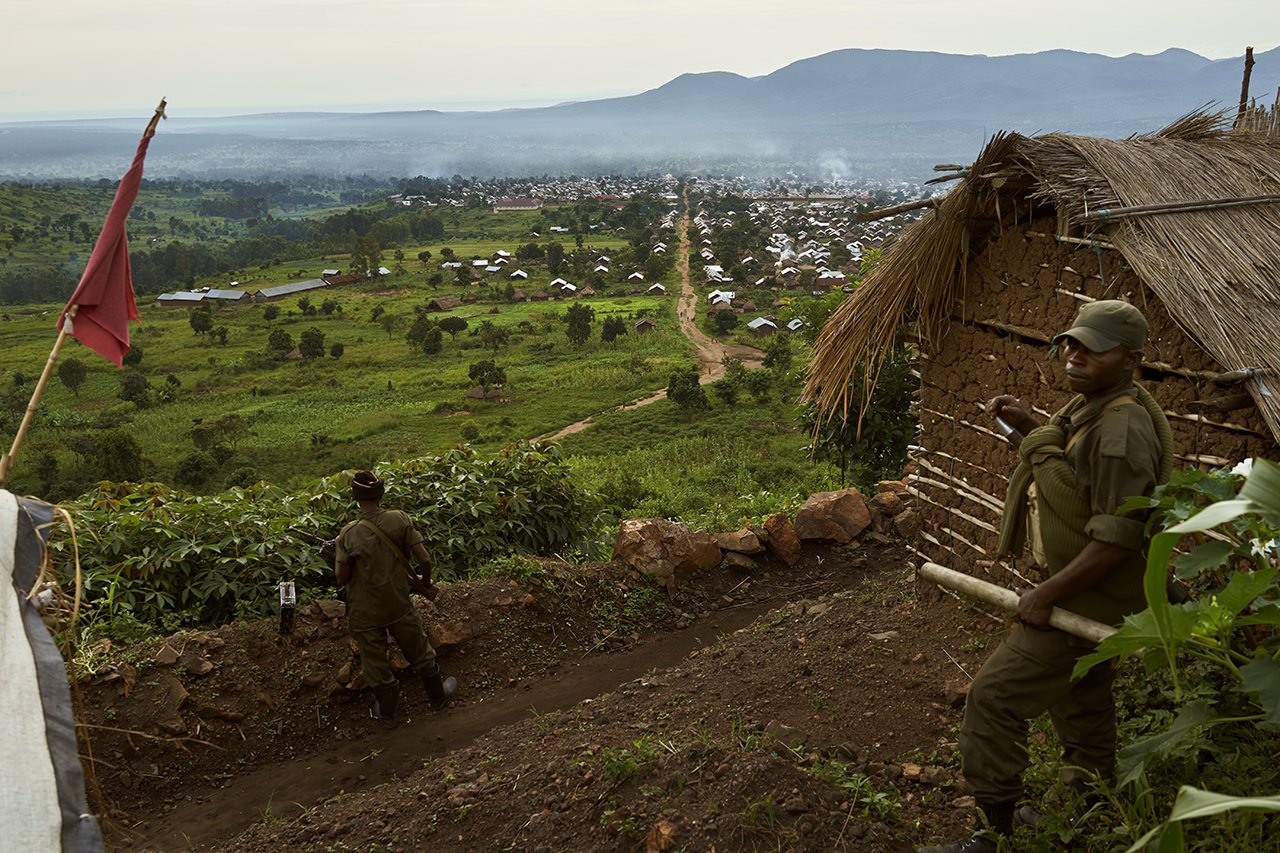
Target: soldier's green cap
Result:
[1107, 324]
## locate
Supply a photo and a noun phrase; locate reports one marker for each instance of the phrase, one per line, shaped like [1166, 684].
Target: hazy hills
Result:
[847, 112]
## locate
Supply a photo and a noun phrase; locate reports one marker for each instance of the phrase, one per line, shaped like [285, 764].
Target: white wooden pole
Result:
[1063, 620]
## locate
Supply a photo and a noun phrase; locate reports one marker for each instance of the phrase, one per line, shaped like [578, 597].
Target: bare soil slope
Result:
[796, 708]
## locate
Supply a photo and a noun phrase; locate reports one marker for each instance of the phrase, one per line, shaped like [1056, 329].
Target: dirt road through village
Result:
[709, 352]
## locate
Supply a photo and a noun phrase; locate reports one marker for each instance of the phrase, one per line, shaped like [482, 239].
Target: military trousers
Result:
[407, 632]
[1027, 675]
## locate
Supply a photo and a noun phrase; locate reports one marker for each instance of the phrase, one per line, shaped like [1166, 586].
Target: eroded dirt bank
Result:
[776, 709]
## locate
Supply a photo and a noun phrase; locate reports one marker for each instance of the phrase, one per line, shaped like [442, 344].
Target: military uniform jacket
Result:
[1115, 455]
[378, 592]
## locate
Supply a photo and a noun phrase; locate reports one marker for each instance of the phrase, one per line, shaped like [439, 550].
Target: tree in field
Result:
[337, 350]
[422, 324]
[201, 319]
[613, 328]
[311, 343]
[226, 431]
[135, 388]
[453, 325]
[329, 306]
[875, 444]
[305, 306]
[760, 385]
[366, 255]
[487, 374]
[555, 257]
[117, 456]
[195, 469]
[377, 312]
[530, 252]
[390, 323]
[271, 312]
[683, 390]
[424, 256]
[494, 337]
[69, 222]
[72, 372]
[433, 342]
[446, 253]
[220, 335]
[727, 390]
[133, 357]
[777, 355]
[724, 322]
[578, 323]
[279, 343]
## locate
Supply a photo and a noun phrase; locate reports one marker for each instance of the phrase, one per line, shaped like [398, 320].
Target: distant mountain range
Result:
[847, 113]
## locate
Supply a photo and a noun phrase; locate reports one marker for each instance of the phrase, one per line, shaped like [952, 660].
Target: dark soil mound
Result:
[796, 708]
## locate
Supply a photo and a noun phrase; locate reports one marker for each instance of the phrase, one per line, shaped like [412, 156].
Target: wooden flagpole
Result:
[6, 461]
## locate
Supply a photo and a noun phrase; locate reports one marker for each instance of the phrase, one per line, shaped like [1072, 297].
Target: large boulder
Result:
[833, 516]
[664, 549]
[889, 503]
[743, 541]
[908, 523]
[783, 541]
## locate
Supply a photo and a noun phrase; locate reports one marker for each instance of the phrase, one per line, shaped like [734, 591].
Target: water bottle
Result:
[288, 606]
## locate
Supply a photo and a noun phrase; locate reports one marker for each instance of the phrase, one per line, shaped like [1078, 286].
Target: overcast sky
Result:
[65, 58]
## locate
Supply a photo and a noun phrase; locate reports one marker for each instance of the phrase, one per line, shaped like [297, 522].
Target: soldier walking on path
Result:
[373, 565]
[1109, 443]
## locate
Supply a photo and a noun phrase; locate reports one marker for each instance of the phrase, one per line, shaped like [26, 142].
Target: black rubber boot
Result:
[995, 820]
[439, 691]
[386, 699]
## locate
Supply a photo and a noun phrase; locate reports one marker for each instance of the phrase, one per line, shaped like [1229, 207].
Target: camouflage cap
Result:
[1107, 324]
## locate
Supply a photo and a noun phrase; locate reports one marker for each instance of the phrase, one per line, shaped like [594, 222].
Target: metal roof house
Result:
[280, 291]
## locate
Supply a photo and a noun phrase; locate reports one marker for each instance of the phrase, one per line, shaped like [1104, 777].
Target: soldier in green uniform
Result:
[373, 566]
[1110, 442]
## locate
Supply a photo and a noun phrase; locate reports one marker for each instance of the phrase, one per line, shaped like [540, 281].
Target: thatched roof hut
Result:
[1184, 223]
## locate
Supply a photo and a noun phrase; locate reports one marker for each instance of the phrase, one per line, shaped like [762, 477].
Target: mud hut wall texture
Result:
[1022, 289]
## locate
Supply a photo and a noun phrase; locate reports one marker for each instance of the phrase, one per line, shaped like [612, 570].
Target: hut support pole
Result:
[1063, 620]
[1244, 85]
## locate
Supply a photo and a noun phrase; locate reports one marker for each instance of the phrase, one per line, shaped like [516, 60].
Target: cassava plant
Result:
[1224, 639]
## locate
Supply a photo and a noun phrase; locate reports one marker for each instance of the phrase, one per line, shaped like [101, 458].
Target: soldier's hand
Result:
[1033, 608]
[1010, 410]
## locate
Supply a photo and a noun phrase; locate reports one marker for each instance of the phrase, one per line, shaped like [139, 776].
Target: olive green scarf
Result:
[1043, 450]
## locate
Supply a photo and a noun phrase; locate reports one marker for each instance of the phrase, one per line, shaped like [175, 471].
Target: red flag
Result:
[103, 301]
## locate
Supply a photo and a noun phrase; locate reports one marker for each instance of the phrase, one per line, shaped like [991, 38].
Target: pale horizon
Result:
[76, 60]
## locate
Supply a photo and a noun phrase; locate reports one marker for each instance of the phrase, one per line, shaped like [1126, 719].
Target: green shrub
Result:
[156, 552]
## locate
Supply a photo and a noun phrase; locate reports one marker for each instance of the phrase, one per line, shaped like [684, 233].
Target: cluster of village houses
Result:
[802, 233]
[801, 236]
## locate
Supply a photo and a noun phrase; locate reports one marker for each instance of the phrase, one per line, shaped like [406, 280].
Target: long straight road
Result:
[709, 352]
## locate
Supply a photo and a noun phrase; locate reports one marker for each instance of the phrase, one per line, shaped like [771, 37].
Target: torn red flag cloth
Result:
[105, 294]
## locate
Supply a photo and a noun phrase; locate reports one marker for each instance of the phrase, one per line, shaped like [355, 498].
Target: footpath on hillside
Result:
[709, 352]
[801, 708]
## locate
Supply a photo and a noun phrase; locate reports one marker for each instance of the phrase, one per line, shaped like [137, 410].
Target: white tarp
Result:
[42, 800]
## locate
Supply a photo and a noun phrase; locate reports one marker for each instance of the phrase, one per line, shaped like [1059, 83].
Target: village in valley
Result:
[718, 470]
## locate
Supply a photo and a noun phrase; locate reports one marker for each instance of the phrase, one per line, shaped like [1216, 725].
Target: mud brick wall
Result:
[1021, 290]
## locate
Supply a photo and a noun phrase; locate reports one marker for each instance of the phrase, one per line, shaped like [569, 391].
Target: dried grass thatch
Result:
[1216, 270]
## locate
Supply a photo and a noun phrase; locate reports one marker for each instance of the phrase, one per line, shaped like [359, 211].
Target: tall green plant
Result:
[1228, 630]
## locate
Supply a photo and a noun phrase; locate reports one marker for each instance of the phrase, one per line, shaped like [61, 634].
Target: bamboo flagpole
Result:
[99, 311]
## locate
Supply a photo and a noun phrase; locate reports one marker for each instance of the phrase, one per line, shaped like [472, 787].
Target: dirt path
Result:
[286, 789]
[720, 749]
[709, 352]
